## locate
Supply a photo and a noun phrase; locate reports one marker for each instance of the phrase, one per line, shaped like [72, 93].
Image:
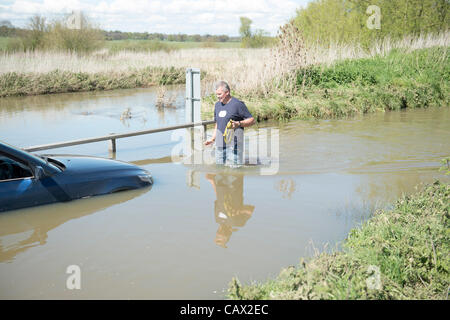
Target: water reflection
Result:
[128, 115]
[23, 229]
[286, 187]
[229, 209]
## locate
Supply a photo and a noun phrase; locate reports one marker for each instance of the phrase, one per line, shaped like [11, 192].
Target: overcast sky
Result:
[164, 16]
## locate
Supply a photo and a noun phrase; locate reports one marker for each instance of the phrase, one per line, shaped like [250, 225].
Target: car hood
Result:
[86, 164]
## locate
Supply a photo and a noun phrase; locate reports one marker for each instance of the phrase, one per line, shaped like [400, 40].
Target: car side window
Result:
[11, 169]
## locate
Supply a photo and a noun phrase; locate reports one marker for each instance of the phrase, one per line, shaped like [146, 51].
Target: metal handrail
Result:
[114, 136]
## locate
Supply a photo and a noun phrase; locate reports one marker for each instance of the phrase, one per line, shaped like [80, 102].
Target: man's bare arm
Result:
[213, 138]
[244, 123]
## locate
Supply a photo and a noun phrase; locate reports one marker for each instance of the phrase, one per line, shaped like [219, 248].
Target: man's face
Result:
[222, 95]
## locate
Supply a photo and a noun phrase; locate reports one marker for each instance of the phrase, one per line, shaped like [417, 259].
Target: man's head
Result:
[223, 92]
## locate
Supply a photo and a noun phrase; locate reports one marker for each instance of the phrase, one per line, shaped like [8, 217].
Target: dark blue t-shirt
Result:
[235, 110]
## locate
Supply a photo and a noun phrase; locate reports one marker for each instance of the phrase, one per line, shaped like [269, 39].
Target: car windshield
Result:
[36, 159]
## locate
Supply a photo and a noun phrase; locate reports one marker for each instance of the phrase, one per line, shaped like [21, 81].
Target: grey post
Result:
[194, 136]
[193, 95]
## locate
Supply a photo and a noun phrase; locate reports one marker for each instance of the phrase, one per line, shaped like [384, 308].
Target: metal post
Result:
[193, 95]
[194, 136]
[112, 145]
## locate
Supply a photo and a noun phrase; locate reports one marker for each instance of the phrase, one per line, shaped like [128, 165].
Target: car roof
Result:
[21, 154]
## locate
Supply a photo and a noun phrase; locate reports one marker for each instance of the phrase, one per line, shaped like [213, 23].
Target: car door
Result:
[18, 186]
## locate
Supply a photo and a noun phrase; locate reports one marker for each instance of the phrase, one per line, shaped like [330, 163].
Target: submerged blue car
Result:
[29, 180]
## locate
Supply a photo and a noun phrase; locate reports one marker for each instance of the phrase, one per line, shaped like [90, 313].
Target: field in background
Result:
[149, 45]
[3, 43]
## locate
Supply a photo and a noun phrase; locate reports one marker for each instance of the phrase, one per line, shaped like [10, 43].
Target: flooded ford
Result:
[200, 224]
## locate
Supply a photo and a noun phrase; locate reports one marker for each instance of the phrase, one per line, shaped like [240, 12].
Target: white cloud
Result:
[156, 19]
[45, 7]
[169, 16]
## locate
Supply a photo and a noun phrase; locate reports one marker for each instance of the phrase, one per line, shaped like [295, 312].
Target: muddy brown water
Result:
[200, 225]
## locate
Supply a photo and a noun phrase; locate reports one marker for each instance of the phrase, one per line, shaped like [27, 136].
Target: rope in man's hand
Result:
[228, 134]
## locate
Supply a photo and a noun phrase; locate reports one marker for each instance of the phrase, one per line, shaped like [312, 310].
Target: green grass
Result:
[401, 253]
[418, 79]
[153, 45]
[16, 84]
[3, 43]
[205, 44]
[397, 68]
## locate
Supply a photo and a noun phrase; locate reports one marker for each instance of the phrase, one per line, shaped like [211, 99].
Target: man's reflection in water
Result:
[229, 208]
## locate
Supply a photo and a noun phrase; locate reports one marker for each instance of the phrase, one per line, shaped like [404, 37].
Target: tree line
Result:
[364, 21]
[41, 34]
[181, 37]
[81, 35]
[11, 31]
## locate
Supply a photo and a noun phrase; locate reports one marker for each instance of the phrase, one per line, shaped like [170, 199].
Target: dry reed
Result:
[165, 99]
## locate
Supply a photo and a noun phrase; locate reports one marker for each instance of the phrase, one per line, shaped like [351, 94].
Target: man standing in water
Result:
[229, 109]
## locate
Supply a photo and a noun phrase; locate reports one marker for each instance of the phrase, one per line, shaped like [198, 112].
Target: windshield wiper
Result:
[44, 158]
[50, 161]
[57, 163]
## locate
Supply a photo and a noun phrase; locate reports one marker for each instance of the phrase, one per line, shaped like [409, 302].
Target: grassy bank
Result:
[211, 62]
[16, 84]
[401, 253]
[398, 80]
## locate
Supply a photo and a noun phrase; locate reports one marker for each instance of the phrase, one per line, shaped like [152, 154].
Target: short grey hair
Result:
[222, 84]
